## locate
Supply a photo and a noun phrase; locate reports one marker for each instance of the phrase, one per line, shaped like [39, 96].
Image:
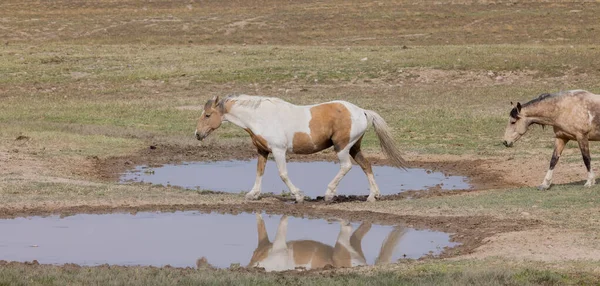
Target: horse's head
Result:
[264, 245]
[210, 119]
[517, 126]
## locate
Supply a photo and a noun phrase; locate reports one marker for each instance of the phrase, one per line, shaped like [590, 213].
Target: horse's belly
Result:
[303, 143]
[594, 136]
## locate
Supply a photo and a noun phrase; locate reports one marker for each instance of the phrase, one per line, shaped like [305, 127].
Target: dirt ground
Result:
[480, 236]
[415, 49]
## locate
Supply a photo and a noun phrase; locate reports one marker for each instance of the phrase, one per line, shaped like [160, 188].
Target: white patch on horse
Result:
[591, 117]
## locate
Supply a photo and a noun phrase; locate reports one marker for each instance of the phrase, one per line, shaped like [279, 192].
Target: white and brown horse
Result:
[574, 115]
[278, 127]
[309, 254]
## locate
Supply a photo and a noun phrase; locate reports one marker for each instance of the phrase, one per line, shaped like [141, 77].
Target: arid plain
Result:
[89, 90]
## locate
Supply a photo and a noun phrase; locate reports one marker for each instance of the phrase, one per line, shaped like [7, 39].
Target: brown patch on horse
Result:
[259, 141]
[329, 125]
[264, 245]
[313, 252]
[262, 162]
[341, 256]
[210, 119]
[226, 106]
[356, 153]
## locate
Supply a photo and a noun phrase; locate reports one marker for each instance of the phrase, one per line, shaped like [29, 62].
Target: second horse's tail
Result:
[385, 139]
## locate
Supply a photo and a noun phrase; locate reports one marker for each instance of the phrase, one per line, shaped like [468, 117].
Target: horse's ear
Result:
[512, 104]
[518, 106]
[215, 100]
[208, 105]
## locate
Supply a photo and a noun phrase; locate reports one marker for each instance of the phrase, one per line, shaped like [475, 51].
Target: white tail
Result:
[385, 139]
[388, 246]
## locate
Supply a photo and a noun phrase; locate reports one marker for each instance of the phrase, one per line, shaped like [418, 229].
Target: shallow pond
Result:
[179, 239]
[311, 177]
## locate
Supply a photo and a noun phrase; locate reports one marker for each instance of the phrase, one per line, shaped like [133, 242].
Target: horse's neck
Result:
[248, 116]
[541, 113]
[241, 116]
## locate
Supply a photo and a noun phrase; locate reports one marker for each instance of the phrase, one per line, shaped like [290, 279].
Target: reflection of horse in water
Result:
[309, 254]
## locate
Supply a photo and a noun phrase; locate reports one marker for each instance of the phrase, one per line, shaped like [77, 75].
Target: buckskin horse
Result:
[574, 115]
[278, 127]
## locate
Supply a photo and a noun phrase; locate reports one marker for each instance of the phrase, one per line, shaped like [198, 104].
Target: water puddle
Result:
[179, 239]
[311, 177]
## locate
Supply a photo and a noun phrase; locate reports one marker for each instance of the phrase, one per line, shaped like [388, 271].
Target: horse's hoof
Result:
[543, 187]
[588, 184]
[250, 197]
[328, 198]
[299, 199]
[371, 199]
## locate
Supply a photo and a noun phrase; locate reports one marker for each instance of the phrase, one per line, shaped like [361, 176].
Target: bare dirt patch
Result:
[544, 244]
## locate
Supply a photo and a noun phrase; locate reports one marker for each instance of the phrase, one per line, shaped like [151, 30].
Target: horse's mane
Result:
[546, 96]
[250, 101]
[542, 97]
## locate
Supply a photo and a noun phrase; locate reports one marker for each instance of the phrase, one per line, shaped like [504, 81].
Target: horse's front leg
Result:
[281, 166]
[559, 146]
[585, 153]
[260, 170]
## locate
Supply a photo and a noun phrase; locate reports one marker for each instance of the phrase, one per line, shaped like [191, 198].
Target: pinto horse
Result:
[278, 127]
[309, 254]
[574, 115]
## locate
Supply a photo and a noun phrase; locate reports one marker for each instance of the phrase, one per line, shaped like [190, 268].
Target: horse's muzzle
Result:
[199, 136]
[507, 144]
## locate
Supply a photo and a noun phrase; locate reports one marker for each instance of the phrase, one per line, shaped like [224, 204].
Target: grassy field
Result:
[432, 273]
[82, 82]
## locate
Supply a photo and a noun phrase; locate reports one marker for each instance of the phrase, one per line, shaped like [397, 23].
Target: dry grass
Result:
[138, 89]
[416, 273]
[337, 23]
[82, 79]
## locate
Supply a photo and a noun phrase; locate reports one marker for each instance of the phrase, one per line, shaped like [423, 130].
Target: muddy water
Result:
[311, 177]
[180, 238]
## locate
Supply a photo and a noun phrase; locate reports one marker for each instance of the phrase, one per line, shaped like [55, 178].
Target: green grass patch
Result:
[424, 273]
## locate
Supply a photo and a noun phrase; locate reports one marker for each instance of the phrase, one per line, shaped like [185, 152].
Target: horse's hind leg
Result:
[559, 146]
[281, 166]
[345, 166]
[356, 153]
[585, 153]
[357, 237]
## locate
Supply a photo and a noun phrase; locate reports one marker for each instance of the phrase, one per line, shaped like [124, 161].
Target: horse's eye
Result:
[207, 115]
[513, 122]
